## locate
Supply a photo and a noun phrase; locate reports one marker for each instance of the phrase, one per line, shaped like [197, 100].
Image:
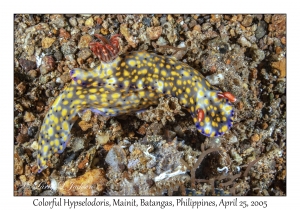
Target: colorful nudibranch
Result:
[128, 83]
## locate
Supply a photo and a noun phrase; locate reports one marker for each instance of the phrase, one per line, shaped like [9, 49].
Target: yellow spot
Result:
[131, 62]
[126, 73]
[224, 119]
[149, 64]
[207, 131]
[202, 123]
[149, 79]
[65, 102]
[201, 93]
[123, 64]
[65, 126]
[115, 95]
[228, 108]
[163, 73]
[56, 120]
[142, 71]
[213, 114]
[186, 73]
[178, 67]
[218, 119]
[81, 96]
[70, 95]
[76, 102]
[188, 90]
[206, 102]
[64, 112]
[192, 109]
[92, 97]
[142, 94]
[192, 100]
[133, 72]
[93, 90]
[56, 142]
[45, 149]
[168, 66]
[118, 74]
[207, 83]
[224, 128]
[58, 108]
[51, 143]
[50, 131]
[207, 119]
[212, 134]
[174, 73]
[109, 72]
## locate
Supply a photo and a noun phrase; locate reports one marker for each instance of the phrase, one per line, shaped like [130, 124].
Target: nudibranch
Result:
[128, 83]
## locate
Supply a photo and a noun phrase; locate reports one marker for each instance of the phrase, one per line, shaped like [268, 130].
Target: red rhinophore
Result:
[107, 50]
[228, 96]
[200, 115]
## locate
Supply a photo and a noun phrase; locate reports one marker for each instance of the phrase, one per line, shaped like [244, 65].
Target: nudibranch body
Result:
[128, 83]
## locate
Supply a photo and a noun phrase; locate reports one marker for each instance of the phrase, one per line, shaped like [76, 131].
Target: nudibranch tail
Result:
[55, 131]
[217, 116]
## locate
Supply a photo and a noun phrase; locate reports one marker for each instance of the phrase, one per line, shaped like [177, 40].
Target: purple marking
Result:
[97, 111]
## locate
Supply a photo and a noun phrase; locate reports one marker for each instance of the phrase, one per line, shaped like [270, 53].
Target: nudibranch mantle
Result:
[129, 83]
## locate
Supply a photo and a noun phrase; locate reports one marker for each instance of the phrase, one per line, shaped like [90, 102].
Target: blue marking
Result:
[198, 125]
